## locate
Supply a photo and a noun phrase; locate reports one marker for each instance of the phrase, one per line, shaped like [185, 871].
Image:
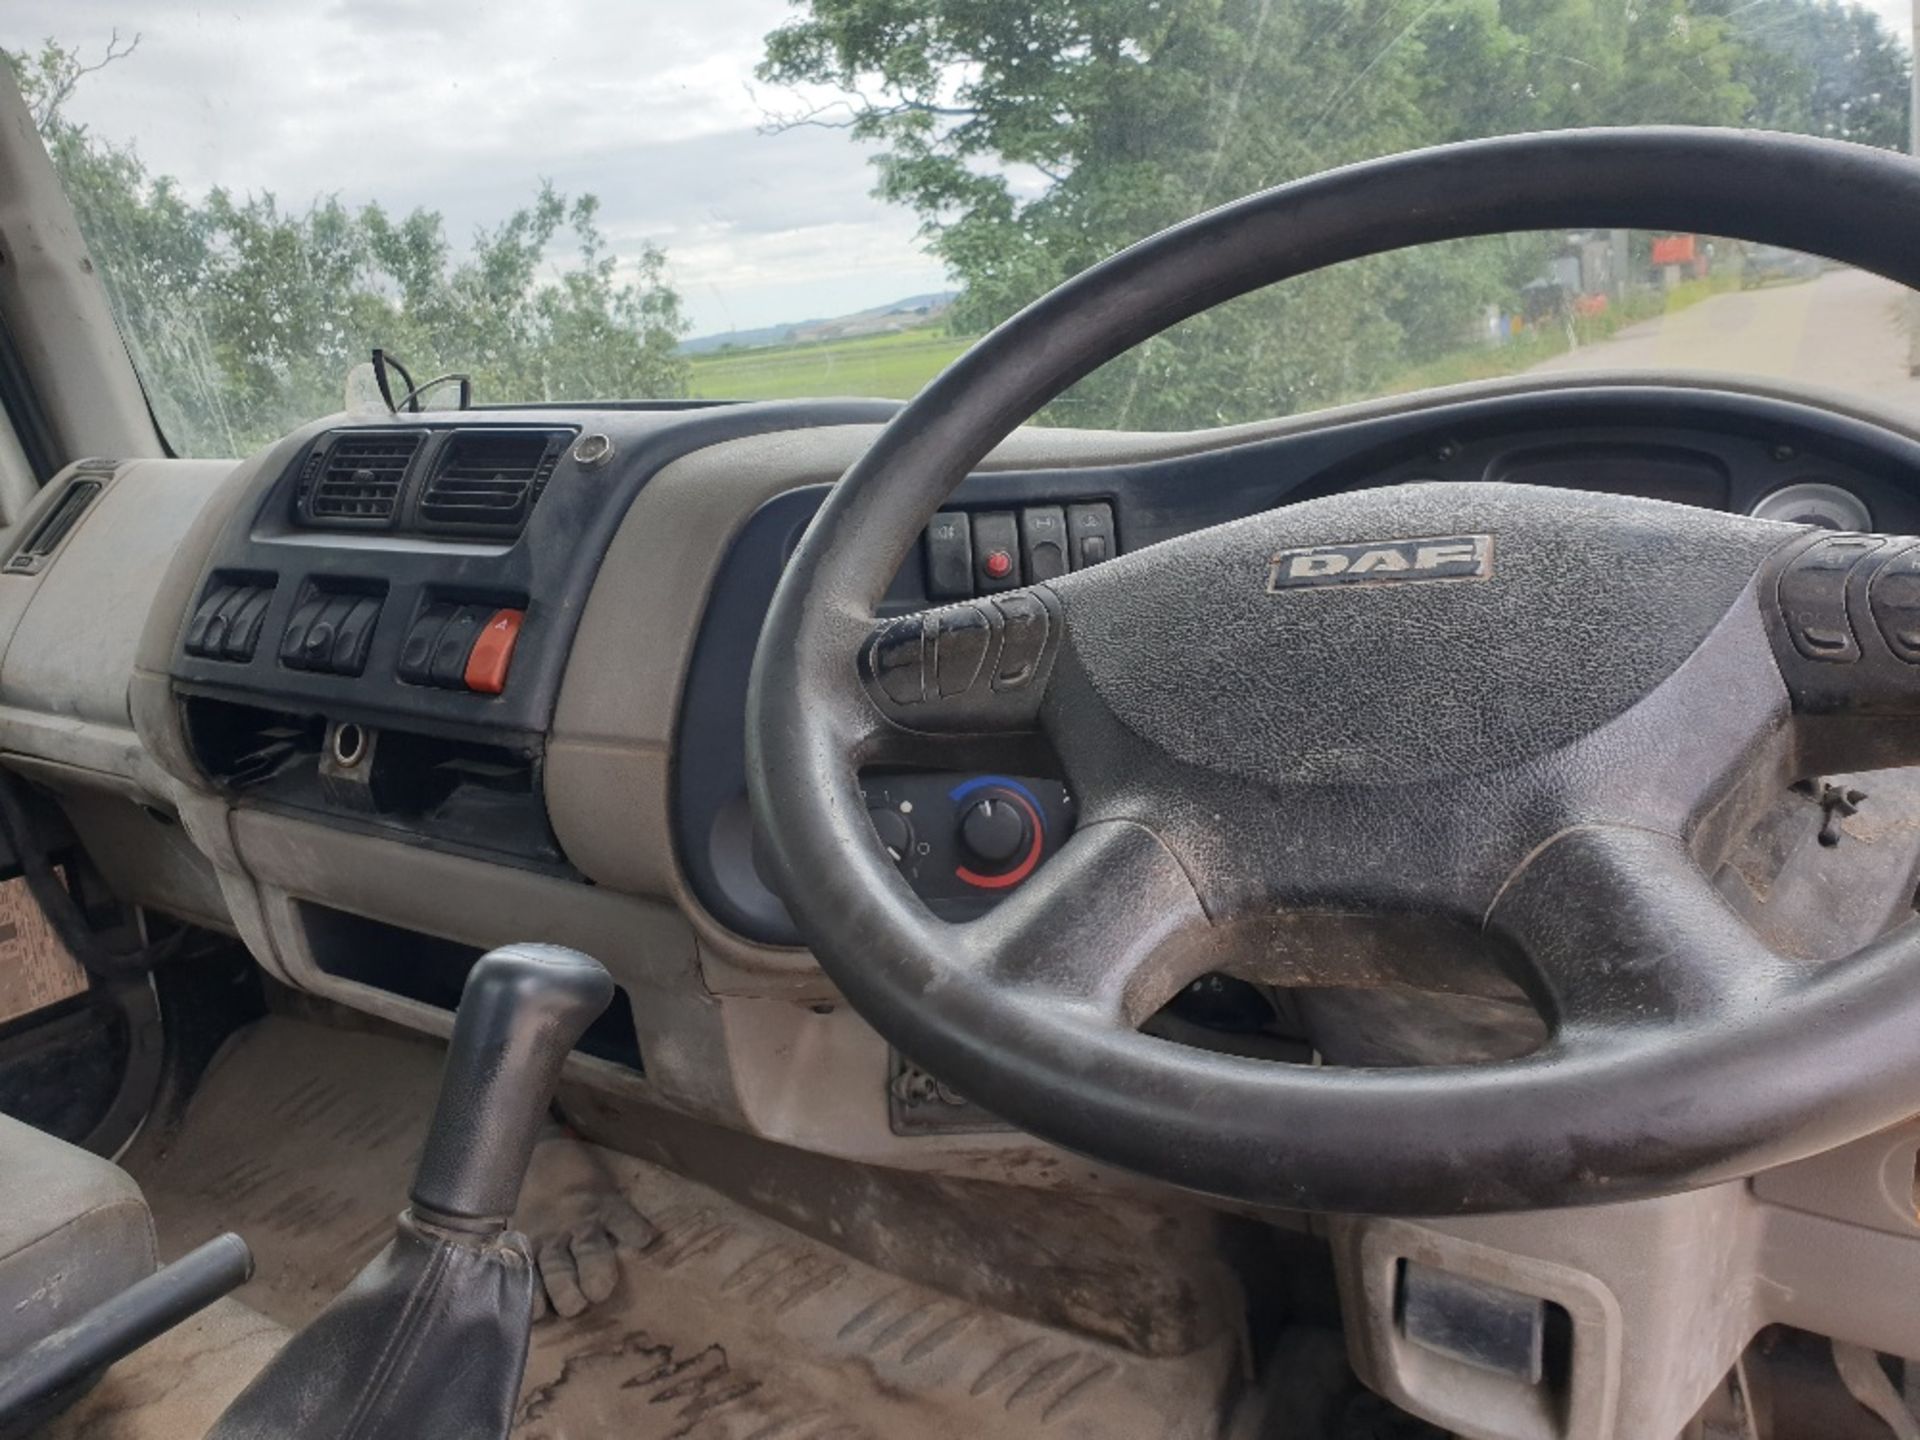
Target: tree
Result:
[244, 317]
[1822, 68]
[1034, 137]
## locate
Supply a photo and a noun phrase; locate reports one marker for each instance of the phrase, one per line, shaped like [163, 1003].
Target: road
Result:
[1841, 331]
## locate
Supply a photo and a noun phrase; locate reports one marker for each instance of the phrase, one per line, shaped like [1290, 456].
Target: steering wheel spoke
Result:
[1619, 930]
[1111, 923]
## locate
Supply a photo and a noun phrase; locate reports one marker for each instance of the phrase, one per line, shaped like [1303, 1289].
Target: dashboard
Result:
[399, 689]
[380, 634]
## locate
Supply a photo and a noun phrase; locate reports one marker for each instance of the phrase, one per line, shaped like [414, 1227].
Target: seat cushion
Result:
[74, 1230]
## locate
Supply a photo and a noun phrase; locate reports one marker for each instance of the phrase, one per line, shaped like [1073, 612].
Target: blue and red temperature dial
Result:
[1003, 832]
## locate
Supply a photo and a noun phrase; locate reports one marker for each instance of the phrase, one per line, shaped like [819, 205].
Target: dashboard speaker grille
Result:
[487, 481]
[359, 480]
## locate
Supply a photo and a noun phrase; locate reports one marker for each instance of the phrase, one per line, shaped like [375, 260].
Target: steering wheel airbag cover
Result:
[1585, 605]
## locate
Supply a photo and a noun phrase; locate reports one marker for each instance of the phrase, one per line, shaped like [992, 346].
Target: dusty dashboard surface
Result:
[420, 686]
[379, 636]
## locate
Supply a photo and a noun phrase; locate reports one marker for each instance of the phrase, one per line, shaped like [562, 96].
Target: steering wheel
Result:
[1445, 721]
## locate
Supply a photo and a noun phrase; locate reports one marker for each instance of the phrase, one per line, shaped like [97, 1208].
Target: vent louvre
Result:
[487, 481]
[358, 480]
[57, 523]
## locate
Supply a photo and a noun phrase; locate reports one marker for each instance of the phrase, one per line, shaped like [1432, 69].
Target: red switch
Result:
[493, 652]
[998, 564]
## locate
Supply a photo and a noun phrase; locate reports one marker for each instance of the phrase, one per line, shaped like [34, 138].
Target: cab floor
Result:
[728, 1326]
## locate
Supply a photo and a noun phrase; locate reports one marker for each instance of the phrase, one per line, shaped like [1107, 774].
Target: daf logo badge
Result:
[1383, 562]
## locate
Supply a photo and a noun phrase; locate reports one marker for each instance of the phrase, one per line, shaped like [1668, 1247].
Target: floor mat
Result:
[175, 1387]
[728, 1326]
[302, 1138]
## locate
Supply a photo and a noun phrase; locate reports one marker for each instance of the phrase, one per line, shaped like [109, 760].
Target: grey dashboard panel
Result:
[74, 647]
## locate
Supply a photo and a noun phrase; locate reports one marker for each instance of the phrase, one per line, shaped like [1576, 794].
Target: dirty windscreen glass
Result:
[751, 199]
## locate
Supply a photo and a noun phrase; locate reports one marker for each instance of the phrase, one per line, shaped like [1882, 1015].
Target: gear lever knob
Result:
[523, 1009]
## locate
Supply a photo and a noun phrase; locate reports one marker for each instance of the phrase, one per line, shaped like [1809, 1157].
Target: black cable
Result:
[56, 902]
[466, 390]
[382, 361]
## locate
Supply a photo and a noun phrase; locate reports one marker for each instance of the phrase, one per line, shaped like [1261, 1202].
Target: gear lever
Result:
[453, 1294]
[523, 1009]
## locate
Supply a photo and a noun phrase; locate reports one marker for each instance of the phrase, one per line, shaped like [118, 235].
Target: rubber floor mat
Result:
[727, 1326]
[175, 1387]
[302, 1138]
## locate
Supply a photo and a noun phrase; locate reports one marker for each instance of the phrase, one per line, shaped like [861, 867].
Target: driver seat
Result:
[74, 1232]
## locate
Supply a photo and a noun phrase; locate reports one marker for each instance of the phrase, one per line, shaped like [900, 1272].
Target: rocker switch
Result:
[899, 660]
[996, 552]
[1023, 628]
[1091, 527]
[961, 646]
[1043, 542]
[416, 651]
[1813, 597]
[1894, 599]
[950, 556]
[448, 669]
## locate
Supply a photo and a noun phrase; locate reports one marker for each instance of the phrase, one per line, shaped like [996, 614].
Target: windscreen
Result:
[745, 199]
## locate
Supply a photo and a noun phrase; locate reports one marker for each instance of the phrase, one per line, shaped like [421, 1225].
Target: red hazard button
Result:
[998, 564]
[493, 652]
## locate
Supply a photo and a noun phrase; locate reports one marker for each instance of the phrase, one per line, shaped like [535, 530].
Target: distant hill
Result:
[905, 314]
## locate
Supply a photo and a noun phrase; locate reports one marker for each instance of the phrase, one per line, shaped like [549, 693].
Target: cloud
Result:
[466, 109]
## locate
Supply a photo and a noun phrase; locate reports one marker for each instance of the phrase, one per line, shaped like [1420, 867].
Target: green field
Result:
[896, 366]
[892, 367]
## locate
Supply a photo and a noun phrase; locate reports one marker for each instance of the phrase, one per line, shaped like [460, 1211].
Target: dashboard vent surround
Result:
[36, 552]
[485, 482]
[357, 479]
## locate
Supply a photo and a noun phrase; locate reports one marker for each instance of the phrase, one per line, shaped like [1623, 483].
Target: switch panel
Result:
[984, 552]
[963, 842]
[331, 630]
[227, 622]
[453, 646]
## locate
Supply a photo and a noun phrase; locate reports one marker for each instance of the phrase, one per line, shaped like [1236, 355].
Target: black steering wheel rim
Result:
[1570, 1124]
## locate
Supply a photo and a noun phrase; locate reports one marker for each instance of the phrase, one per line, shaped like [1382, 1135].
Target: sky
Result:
[650, 104]
[464, 106]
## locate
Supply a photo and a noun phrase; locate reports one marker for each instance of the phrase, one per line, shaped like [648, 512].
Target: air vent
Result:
[486, 481]
[54, 526]
[356, 481]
